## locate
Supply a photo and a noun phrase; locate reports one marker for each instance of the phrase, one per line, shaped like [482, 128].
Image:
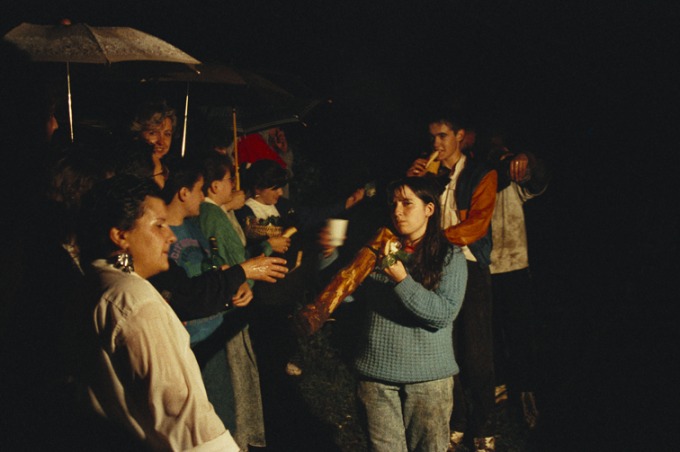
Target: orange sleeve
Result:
[474, 223]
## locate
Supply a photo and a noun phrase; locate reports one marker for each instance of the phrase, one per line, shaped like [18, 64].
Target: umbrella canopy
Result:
[223, 94]
[251, 120]
[259, 103]
[81, 43]
[205, 73]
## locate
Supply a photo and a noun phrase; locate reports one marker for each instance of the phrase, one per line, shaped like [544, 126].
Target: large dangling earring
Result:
[124, 262]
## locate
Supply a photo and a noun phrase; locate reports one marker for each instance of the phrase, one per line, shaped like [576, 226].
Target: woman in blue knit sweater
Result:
[405, 360]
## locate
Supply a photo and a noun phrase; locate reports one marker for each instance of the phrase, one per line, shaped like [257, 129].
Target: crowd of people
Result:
[170, 284]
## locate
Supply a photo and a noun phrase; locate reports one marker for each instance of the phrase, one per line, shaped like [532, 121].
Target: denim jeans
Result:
[201, 329]
[408, 416]
[474, 397]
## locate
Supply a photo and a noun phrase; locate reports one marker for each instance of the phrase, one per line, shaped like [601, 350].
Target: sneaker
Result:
[529, 408]
[455, 442]
[486, 444]
[501, 394]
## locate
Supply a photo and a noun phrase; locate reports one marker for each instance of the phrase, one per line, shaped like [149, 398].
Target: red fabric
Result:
[252, 148]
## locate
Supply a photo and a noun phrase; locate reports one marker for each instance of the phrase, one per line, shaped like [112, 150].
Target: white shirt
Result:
[144, 375]
[447, 202]
[262, 211]
[509, 251]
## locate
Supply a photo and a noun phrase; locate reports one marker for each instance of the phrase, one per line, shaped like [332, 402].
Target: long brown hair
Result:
[429, 257]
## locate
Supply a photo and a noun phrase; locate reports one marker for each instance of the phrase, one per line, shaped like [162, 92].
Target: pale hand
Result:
[325, 242]
[279, 244]
[243, 296]
[417, 168]
[396, 272]
[262, 268]
[518, 168]
[237, 200]
[355, 198]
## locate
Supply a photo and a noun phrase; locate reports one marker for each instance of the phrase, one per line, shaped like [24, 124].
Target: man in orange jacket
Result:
[467, 205]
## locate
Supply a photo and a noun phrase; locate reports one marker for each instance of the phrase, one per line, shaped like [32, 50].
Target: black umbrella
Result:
[81, 43]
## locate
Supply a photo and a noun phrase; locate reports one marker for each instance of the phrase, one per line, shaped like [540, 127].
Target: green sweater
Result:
[214, 223]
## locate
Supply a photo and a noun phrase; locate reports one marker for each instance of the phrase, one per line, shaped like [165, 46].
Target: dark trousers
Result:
[473, 393]
[514, 329]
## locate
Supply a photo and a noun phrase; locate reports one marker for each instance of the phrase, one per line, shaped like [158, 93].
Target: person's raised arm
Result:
[262, 268]
[417, 168]
[475, 221]
[201, 296]
[237, 200]
[433, 308]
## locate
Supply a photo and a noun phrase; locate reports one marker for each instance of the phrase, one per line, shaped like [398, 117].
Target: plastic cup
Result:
[337, 228]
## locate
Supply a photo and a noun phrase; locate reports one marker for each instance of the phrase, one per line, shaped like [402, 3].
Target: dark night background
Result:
[591, 86]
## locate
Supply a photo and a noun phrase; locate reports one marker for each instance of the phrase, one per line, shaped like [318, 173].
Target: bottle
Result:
[215, 262]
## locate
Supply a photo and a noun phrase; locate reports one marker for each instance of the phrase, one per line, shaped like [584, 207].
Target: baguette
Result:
[432, 166]
[289, 232]
[311, 317]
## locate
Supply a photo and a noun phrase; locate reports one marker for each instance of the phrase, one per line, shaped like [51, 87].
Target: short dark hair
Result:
[184, 172]
[215, 167]
[135, 157]
[265, 174]
[451, 116]
[71, 177]
[116, 202]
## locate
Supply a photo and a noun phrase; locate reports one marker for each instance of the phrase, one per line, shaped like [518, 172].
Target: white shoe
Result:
[455, 441]
[486, 444]
[501, 394]
[293, 370]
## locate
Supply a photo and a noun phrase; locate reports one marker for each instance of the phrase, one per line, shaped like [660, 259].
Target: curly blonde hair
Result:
[152, 114]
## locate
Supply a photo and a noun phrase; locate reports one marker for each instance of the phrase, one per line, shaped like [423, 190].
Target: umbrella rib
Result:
[96, 39]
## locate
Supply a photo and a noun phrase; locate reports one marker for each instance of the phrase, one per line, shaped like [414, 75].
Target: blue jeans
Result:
[201, 329]
[408, 416]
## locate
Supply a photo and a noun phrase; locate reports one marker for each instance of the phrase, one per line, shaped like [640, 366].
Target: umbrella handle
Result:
[186, 118]
[70, 105]
[237, 175]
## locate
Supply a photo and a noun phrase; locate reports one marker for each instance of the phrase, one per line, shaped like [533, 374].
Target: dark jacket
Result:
[475, 200]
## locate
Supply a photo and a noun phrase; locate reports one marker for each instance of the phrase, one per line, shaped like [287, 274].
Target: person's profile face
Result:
[149, 239]
[269, 196]
[50, 127]
[194, 199]
[223, 189]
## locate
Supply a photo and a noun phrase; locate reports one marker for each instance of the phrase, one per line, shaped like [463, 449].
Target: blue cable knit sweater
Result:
[409, 328]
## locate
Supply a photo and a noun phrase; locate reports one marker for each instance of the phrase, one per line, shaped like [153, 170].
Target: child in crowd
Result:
[227, 248]
[183, 194]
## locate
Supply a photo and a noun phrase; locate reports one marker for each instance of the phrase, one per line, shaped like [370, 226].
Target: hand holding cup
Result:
[337, 229]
